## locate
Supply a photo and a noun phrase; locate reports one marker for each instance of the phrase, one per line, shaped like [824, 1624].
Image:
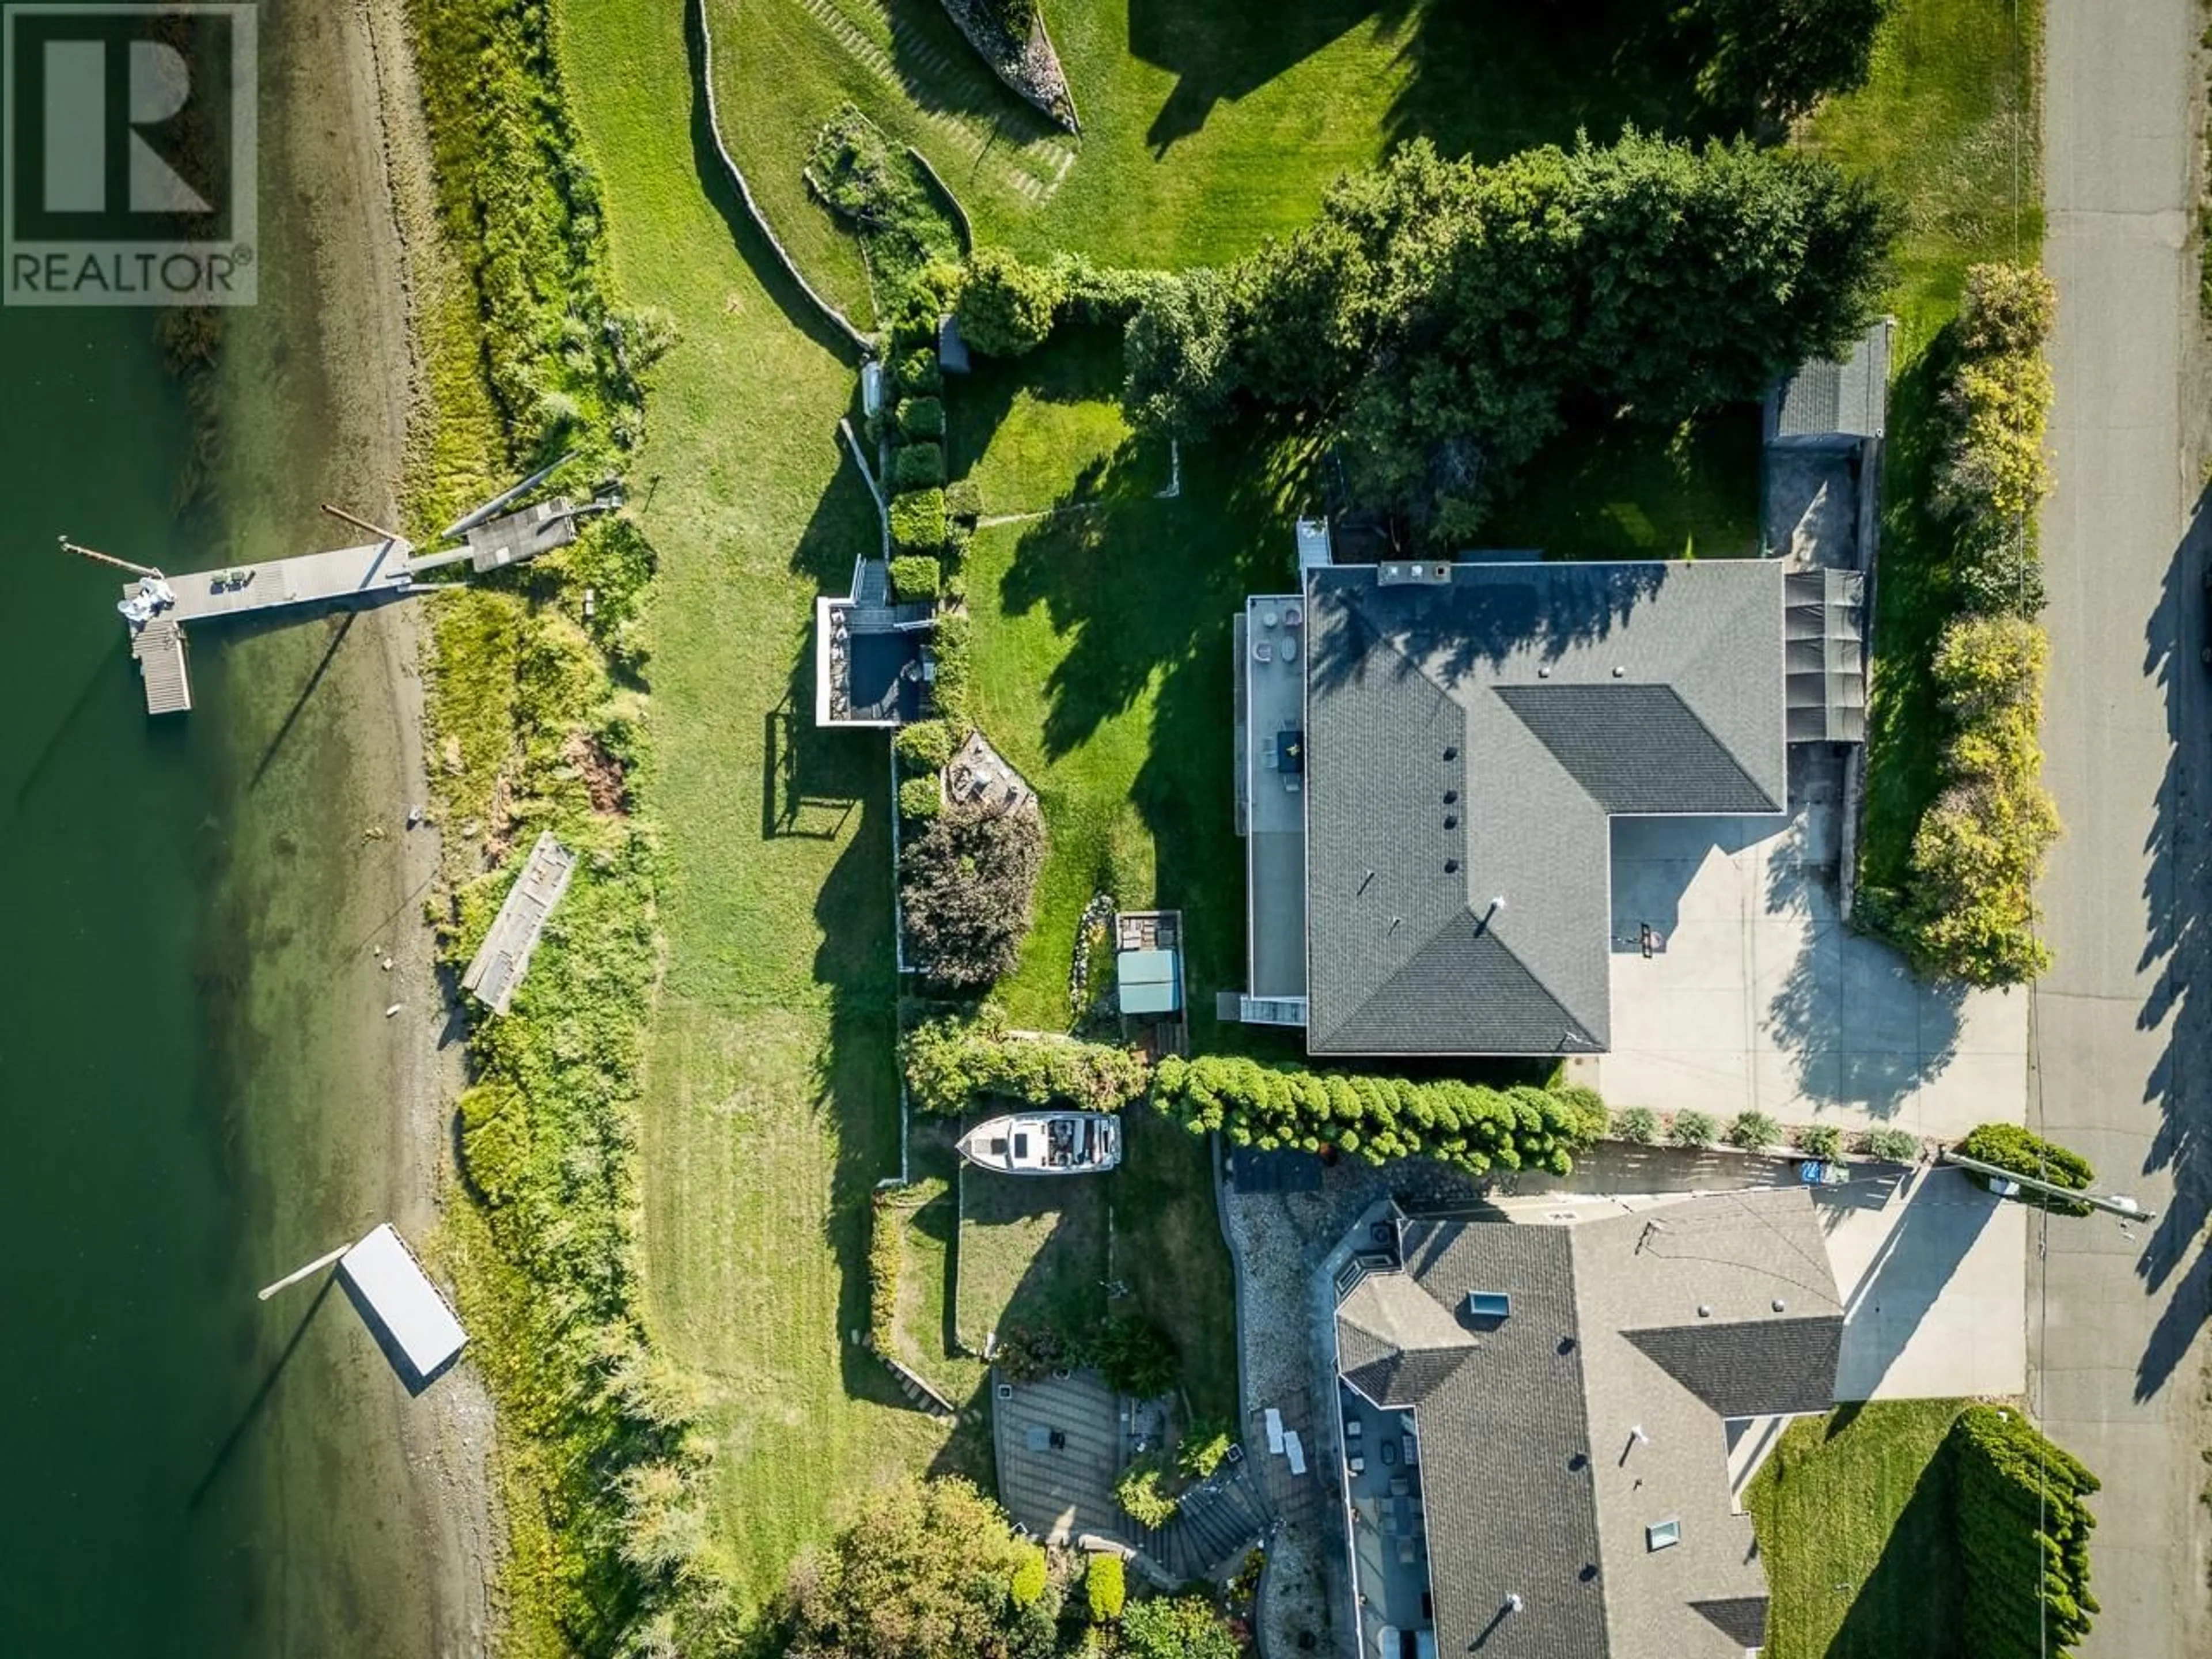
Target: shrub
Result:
[1177, 1627]
[1143, 1495]
[1822, 1140]
[1638, 1125]
[922, 417]
[920, 799]
[1895, 1146]
[950, 1065]
[1006, 306]
[2006, 309]
[918, 522]
[884, 1254]
[1027, 1584]
[2023, 1536]
[925, 745]
[1692, 1129]
[915, 576]
[920, 374]
[967, 882]
[964, 501]
[918, 466]
[1135, 1356]
[1204, 1447]
[1753, 1130]
[1105, 1588]
[2009, 1146]
[950, 647]
[1030, 1353]
[1469, 1125]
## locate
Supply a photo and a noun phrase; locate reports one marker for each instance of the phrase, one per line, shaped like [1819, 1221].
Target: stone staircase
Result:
[1216, 1522]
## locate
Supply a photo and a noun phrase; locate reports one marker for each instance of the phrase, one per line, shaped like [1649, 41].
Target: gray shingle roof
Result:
[1470, 740]
[1553, 1440]
[1829, 399]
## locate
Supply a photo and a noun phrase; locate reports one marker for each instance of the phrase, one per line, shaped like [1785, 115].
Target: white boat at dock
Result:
[1045, 1143]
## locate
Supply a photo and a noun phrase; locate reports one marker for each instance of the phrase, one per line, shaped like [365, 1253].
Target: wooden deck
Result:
[159, 647]
[503, 958]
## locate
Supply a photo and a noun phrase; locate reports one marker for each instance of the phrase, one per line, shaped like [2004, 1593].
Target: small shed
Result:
[1149, 982]
[398, 1297]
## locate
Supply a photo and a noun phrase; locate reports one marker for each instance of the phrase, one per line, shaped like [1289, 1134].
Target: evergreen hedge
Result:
[922, 417]
[952, 1065]
[920, 800]
[1467, 1125]
[925, 745]
[918, 466]
[2023, 1531]
[915, 576]
[2011, 1148]
[883, 1252]
[918, 522]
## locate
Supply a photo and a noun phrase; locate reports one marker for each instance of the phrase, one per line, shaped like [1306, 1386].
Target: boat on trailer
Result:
[1045, 1143]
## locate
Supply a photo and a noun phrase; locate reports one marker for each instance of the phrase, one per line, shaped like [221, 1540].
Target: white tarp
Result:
[408, 1305]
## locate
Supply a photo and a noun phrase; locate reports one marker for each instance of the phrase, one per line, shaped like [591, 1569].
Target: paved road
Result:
[2122, 1071]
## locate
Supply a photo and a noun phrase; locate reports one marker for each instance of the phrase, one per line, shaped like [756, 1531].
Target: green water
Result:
[197, 1086]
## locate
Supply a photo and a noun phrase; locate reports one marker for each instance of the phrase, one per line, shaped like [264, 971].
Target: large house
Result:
[1431, 755]
[1537, 1423]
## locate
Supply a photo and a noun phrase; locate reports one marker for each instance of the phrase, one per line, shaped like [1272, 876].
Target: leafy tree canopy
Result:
[967, 882]
[925, 1571]
[1186, 1627]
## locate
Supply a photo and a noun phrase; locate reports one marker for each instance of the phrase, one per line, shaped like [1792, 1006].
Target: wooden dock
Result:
[501, 960]
[379, 570]
[159, 646]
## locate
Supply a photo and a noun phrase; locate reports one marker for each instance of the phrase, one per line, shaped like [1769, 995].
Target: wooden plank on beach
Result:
[503, 958]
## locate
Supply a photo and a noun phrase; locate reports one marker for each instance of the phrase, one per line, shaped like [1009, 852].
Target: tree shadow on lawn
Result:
[1914, 598]
[720, 190]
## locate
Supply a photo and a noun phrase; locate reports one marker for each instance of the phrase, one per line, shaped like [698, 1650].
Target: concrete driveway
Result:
[1757, 995]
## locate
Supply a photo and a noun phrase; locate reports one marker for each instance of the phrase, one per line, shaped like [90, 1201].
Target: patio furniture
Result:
[1292, 616]
[1268, 753]
[1268, 618]
[1357, 1464]
[1389, 1452]
[1354, 1427]
[1405, 1551]
[1412, 1450]
[1262, 651]
[1400, 1487]
[1038, 1438]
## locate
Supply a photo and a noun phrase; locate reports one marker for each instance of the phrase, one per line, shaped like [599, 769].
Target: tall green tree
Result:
[1443, 316]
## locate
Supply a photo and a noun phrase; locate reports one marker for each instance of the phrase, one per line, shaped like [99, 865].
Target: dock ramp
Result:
[496, 970]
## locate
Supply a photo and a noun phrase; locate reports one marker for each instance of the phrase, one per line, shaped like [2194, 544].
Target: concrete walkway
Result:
[2117, 1314]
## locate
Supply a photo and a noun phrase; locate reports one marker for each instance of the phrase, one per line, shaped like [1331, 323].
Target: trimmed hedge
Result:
[964, 501]
[925, 745]
[884, 1251]
[922, 799]
[922, 417]
[1006, 306]
[2011, 1148]
[918, 521]
[952, 1065]
[920, 374]
[1027, 1585]
[1467, 1125]
[915, 576]
[2023, 1530]
[951, 643]
[918, 466]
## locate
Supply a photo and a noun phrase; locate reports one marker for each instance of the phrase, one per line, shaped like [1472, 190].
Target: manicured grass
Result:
[1854, 1517]
[1621, 490]
[1031, 1253]
[1205, 129]
[1950, 123]
[771, 1103]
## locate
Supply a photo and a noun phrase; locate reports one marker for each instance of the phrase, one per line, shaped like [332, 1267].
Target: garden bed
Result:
[1022, 57]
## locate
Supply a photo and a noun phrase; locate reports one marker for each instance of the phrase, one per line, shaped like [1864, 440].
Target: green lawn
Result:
[1854, 1517]
[771, 1102]
[1624, 490]
[1951, 125]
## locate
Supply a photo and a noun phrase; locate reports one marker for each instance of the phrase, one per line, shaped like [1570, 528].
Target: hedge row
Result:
[1980, 846]
[2023, 1533]
[1380, 1118]
[952, 1065]
[885, 1250]
[2011, 1148]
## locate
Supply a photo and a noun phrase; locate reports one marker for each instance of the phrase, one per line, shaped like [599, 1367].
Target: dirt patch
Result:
[603, 779]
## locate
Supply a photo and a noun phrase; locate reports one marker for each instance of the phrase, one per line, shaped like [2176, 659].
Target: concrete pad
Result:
[1935, 1291]
[1759, 998]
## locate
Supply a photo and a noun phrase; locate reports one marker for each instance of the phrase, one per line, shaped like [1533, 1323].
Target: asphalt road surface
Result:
[2121, 1070]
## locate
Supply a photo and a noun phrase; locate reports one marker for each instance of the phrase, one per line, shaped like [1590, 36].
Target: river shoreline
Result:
[318, 391]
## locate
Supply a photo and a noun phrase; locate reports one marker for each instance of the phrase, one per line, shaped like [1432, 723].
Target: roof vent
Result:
[1488, 1304]
[1704, 1310]
[1450, 795]
[1619, 673]
[1451, 866]
[1780, 1306]
[1451, 752]
[1451, 820]
[1544, 672]
[1663, 1535]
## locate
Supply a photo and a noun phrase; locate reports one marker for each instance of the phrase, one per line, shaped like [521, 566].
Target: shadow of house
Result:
[1943, 1215]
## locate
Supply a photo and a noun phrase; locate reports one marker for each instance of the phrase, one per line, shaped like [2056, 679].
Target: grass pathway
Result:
[770, 1107]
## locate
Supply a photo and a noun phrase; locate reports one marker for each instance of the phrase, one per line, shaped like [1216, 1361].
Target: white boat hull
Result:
[1045, 1143]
